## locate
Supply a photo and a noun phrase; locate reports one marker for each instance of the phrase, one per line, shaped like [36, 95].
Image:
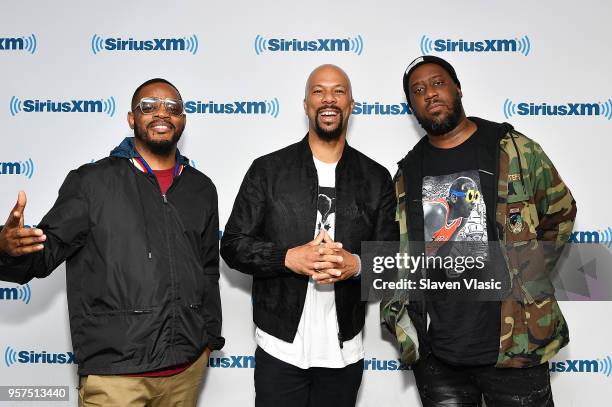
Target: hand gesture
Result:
[342, 265]
[313, 256]
[15, 240]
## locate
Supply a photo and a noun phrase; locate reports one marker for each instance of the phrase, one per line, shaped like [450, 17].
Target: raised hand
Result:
[15, 240]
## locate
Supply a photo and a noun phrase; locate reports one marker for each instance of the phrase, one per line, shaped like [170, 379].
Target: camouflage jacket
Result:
[533, 328]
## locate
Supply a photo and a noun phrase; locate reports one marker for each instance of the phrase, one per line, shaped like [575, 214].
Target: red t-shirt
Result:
[164, 178]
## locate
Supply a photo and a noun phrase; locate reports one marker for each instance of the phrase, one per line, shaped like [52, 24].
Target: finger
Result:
[332, 259]
[23, 250]
[28, 241]
[332, 245]
[21, 202]
[321, 276]
[317, 240]
[323, 251]
[322, 265]
[15, 218]
[326, 237]
[334, 272]
[27, 232]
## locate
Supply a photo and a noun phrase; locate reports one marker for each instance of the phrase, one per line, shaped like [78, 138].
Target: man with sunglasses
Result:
[139, 233]
[465, 186]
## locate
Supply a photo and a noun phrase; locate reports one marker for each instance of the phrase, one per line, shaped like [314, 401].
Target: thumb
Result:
[15, 219]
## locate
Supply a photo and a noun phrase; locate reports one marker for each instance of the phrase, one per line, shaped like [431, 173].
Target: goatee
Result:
[438, 127]
[333, 134]
[158, 147]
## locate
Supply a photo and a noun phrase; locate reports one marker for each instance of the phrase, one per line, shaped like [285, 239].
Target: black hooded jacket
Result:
[142, 269]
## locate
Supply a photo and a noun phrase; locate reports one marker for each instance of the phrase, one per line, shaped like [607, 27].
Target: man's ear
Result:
[130, 119]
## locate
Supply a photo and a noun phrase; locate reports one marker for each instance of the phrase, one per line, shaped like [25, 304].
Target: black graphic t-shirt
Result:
[454, 208]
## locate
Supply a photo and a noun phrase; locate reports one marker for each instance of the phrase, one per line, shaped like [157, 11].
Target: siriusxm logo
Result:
[233, 362]
[20, 293]
[106, 106]
[603, 366]
[12, 357]
[27, 44]
[592, 236]
[377, 108]
[519, 45]
[180, 44]
[348, 44]
[385, 364]
[567, 109]
[25, 168]
[248, 362]
[271, 107]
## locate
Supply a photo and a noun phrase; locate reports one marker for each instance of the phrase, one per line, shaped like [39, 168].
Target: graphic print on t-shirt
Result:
[326, 210]
[453, 208]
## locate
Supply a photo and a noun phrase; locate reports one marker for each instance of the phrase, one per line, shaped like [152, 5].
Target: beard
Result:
[158, 147]
[438, 127]
[332, 134]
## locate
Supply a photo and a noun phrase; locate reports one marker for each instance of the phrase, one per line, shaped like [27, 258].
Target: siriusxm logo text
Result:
[106, 106]
[21, 293]
[348, 44]
[233, 362]
[520, 45]
[377, 108]
[271, 107]
[565, 109]
[592, 236]
[603, 366]
[12, 357]
[25, 168]
[384, 364]
[185, 44]
[27, 44]
[248, 362]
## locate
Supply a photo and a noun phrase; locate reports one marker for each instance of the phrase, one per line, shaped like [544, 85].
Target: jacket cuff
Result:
[277, 259]
[216, 343]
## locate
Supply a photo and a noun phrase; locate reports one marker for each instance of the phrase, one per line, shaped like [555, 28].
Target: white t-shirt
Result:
[316, 341]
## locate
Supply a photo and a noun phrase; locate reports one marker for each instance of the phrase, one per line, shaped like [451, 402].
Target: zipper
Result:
[142, 311]
[172, 271]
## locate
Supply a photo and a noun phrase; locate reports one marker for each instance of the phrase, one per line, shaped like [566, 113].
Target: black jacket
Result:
[276, 209]
[142, 270]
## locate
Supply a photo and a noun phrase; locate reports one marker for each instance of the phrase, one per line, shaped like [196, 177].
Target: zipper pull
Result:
[340, 340]
[165, 198]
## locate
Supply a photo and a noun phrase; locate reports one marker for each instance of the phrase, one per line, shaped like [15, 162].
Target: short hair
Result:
[149, 82]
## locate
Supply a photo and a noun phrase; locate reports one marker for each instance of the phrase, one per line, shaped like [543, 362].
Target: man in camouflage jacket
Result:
[533, 217]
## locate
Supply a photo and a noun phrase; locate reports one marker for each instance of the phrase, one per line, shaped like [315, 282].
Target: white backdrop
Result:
[549, 52]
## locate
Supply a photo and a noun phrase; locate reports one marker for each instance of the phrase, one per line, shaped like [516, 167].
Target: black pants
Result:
[280, 384]
[441, 384]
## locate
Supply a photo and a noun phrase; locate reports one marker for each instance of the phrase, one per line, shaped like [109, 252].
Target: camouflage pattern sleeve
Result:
[554, 202]
[393, 311]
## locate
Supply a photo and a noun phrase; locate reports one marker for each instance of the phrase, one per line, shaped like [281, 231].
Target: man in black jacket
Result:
[306, 292]
[139, 233]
